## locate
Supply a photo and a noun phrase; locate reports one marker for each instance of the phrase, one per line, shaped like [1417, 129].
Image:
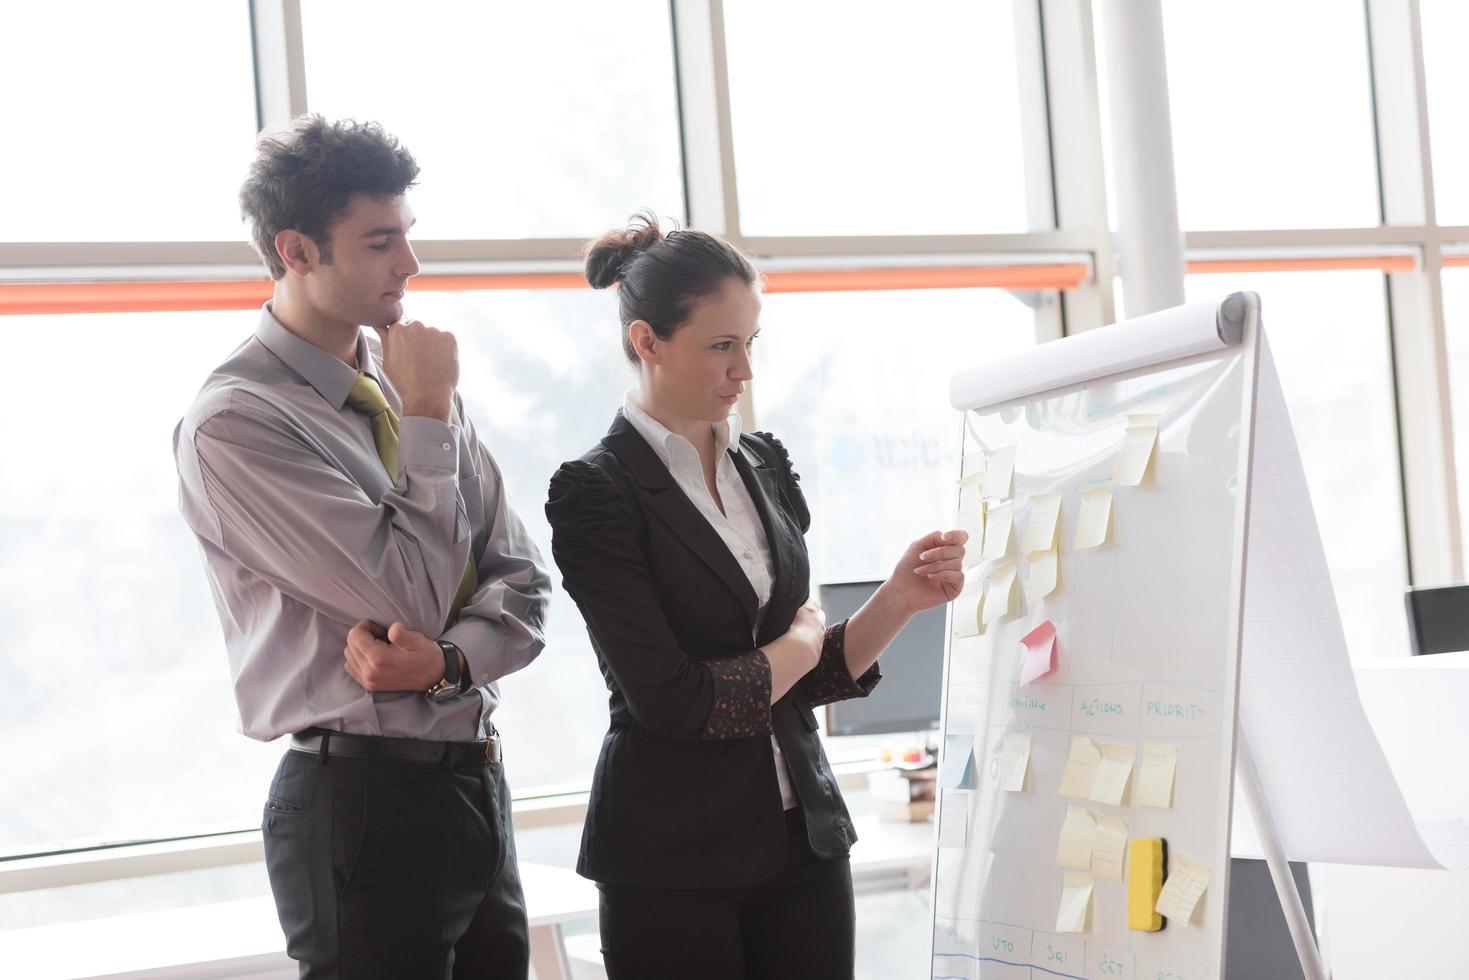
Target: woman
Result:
[715, 830]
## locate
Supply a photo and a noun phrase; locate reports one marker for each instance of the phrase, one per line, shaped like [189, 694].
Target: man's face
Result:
[371, 263]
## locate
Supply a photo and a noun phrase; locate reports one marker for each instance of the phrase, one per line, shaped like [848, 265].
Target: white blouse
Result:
[738, 525]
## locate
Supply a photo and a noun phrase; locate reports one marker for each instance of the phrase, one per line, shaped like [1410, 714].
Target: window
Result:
[1328, 334]
[529, 120]
[1456, 333]
[1445, 24]
[850, 120]
[125, 122]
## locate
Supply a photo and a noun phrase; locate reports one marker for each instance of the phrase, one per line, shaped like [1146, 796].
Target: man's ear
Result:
[644, 341]
[298, 252]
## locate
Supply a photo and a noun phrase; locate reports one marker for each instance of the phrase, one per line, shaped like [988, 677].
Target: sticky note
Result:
[958, 756]
[972, 470]
[1110, 784]
[1109, 847]
[1014, 760]
[1183, 889]
[997, 595]
[1081, 767]
[1137, 450]
[1038, 652]
[970, 520]
[1040, 529]
[1042, 570]
[1074, 849]
[1155, 775]
[953, 817]
[999, 517]
[967, 608]
[1096, 514]
[1144, 882]
[999, 471]
[1076, 900]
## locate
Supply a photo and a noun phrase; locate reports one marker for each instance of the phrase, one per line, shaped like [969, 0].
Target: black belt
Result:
[318, 741]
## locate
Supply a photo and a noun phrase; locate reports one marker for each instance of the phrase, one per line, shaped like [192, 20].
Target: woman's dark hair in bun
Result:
[660, 276]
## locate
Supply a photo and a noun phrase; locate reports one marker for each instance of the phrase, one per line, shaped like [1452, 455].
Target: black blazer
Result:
[685, 793]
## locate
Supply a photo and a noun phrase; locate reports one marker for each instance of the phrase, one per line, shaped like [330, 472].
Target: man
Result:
[370, 576]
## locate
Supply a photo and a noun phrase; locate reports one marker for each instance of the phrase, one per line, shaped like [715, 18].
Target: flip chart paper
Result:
[1014, 760]
[1081, 767]
[1074, 849]
[1137, 450]
[1096, 514]
[1039, 652]
[1110, 784]
[998, 519]
[1155, 776]
[1040, 529]
[1076, 899]
[953, 817]
[1183, 889]
[1109, 847]
[999, 471]
[997, 596]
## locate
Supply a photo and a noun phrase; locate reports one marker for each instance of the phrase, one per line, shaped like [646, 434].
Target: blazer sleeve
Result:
[596, 541]
[829, 680]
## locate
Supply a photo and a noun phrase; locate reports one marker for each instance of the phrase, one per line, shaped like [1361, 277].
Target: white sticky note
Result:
[958, 753]
[1074, 849]
[1155, 775]
[1076, 900]
[1081, 767]
[1040, 529]
[1042, 571]
[999, 471]
[967, 607]
[999, 517]
[970, 520]
[1109, 847]
[1136, 451]
[1096, 514]
[953, 817]
[1014, 760]
[997, 596]
[972, 470]
[1183, 889]
[1110, 784]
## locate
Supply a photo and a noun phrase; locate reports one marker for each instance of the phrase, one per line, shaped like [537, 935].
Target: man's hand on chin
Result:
[392, 659]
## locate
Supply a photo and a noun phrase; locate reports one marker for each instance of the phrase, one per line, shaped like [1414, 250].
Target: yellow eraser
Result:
[1144, 882]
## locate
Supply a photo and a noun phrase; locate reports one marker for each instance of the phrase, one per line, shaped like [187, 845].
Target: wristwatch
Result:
[448, 685]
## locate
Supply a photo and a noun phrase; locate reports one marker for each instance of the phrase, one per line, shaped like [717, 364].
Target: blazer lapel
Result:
[674, 508]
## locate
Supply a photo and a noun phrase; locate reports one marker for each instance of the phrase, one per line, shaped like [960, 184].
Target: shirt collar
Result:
[331, 378]
[665, 442]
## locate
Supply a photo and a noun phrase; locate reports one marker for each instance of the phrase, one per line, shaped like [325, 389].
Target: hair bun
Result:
[609, 255]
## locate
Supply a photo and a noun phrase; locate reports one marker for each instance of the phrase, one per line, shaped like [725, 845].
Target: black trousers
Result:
[799, 924]
[395, 870]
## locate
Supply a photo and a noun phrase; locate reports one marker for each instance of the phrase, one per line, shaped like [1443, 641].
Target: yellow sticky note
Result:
[1183, 889]
[1155, 775]
[1137, 450]
[1095, 516]
[1081, 767]
[1076, 900]
[1040, 530]
[999, 471]
[1109, 847]
[967, 608]
[999, 517]
[972, 470]
[1014, 760]
[1110, 784]
[953, 817]
[1042, 571]
[1074, 849]
[1144, 883]
[970, 520]
[998, 594]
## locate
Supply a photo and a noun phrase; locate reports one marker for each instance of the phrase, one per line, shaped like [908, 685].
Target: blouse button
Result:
[749, 553]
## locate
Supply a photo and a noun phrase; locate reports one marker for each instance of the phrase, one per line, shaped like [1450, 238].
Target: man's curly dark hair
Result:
[302, 179]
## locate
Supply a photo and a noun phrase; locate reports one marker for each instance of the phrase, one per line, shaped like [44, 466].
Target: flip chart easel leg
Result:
[1275, 859]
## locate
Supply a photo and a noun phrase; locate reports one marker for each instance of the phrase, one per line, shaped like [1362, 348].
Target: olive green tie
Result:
[366, 397]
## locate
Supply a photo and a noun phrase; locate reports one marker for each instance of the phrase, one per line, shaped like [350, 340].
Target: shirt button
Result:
[445, 446]
[749, 553]
[484, 678]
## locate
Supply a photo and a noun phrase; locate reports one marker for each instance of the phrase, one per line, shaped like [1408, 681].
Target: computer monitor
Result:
[1438, 619]
[908, 698]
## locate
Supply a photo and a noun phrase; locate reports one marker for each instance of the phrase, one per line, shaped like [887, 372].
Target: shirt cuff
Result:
[740, 707]
[832, 680]
[429, 443]
[490, 649]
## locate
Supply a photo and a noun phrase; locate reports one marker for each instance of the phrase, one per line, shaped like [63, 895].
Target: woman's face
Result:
[701, 371]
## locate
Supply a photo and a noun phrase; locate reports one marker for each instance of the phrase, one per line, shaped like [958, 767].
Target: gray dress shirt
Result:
[304, 534]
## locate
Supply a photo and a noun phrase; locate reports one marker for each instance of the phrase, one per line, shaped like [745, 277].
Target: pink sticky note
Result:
[1040, 652]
